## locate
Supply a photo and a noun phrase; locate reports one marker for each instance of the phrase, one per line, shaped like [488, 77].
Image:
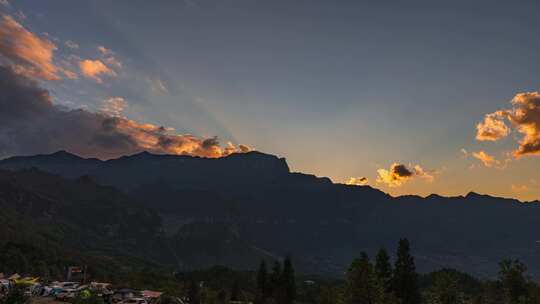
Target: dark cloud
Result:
[31, 123]
[401, 171]
[399, 174]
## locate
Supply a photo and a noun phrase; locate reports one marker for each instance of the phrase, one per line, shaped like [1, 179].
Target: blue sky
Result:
[339, 88]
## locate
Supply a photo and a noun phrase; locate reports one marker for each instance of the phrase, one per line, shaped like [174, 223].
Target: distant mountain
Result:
[238, 209]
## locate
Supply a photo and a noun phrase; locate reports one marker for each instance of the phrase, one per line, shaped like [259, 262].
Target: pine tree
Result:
[288, 281]
[513, 280]
[405, 279]
[363, 285]
[383, 268]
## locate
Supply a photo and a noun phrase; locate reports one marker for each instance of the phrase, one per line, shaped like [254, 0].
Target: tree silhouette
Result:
[405, 279]
[383, 268]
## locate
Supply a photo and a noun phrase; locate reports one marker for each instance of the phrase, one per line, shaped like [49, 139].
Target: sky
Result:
[414, 97]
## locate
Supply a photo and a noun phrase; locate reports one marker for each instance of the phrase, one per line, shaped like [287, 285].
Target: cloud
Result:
[70, 74]
[492, 128]
[72, 45]
[25, 52]
[485, 158]
[400, 174]
[32, 123]
[524, 117]
[244, 148]
[357, 181]
[114, 106]
[94, 69]
[104, 51]
[107, 56]
[113, 62]
[157, 86]
[520, 188]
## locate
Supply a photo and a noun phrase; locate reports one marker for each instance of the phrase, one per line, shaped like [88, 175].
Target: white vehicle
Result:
[68, 285]
[65, 294]
[134, 301]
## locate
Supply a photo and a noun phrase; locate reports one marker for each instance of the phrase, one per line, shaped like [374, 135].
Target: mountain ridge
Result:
[216, 211]
[66, 155]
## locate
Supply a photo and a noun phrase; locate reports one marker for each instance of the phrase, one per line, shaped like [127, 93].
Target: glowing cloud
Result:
[32, 123]
[492, 128]
[485, 158]
[400, 174]
[27, 53]
[524, 117]
[94, 68]
[357, 181]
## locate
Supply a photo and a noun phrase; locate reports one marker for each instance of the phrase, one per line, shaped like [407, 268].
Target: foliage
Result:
[15, 296]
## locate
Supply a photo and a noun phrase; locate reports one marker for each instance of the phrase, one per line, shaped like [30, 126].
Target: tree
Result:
[363, 286]
[331, 295]
[405, 279]
[288, 281]
[445, 290]
[383, 268]
[15, 296]
[513, 281]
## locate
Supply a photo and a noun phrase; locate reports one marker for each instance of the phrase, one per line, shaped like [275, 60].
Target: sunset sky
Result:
[411, 97]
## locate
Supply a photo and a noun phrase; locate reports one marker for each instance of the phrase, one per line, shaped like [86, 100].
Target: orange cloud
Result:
[485, 158]
[244, 148]
[492, 128]
[399, 174]
[32, 123]
[94, 68]
[524, 117]
[357, 181]
[27, 53]
[159, 139]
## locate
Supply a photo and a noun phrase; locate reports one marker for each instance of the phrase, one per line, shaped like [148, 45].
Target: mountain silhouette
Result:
[238, 209]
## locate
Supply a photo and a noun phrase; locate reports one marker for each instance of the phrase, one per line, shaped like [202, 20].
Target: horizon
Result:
[414, 99]
[464, 195]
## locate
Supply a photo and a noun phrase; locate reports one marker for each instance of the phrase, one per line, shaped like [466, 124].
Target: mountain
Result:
[238, 209]
[49, 222]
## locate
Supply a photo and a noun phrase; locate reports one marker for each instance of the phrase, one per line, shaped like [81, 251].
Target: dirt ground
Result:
[45, 300]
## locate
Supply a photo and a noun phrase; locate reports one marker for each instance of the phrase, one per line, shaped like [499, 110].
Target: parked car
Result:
[65, 294]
